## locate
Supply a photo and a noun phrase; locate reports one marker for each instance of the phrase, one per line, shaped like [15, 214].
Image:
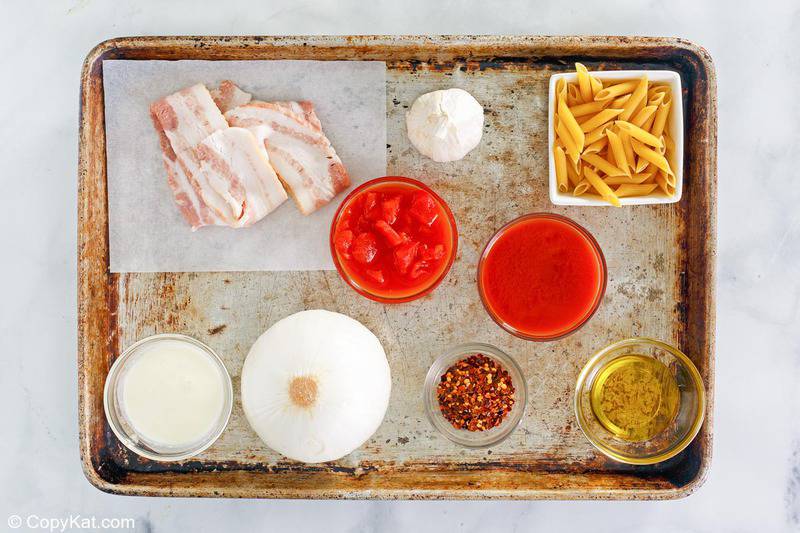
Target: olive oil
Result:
[635, 397]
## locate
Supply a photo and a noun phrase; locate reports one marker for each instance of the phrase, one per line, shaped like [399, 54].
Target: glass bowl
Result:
[671, 440]
[474, 439]
[124, 430]
[388, 297]
[590, 312]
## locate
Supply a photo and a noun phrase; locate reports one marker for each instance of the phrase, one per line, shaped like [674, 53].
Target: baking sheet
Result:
[146, 231]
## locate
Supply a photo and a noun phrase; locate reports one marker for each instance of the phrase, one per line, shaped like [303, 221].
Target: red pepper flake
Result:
[475, 394]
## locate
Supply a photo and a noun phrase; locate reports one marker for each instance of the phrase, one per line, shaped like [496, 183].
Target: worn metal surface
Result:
[661, 281]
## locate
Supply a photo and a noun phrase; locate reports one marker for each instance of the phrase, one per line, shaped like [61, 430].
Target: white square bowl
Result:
[674, 127]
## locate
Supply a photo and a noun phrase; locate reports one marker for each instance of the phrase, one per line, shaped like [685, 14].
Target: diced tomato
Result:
[390, 207]
[343, 241]
[370, 201]
[427, 253]
[404, 255]
[423, 208]
[388, 232]
[418, 269]
[377, 275]
[438, 251]
[365, 248]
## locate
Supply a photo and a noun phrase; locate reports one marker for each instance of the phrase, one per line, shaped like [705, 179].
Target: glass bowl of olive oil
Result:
[640, 401]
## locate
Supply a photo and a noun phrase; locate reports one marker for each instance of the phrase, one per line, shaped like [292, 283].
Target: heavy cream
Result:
[172, 394]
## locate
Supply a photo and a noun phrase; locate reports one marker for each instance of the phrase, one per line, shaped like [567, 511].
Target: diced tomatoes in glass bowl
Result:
[393, 239]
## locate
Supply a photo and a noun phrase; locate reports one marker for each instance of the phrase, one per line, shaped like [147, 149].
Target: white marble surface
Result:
[754, 483]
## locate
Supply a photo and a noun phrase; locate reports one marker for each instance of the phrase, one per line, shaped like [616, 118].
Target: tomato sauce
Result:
[542, 276]
[393, 239]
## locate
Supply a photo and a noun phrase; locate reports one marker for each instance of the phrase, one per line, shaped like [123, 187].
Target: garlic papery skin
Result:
[445, 125]
[315, 386]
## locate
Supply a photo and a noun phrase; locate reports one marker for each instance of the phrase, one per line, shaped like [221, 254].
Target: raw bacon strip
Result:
[232, 156]
[218, 175]
[298, 150]
[228, 96]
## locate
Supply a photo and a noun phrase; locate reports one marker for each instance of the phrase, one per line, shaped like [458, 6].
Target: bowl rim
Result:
[116, 368]
[601, 291]
[670, 77]
[424, 289]
[677, 448]
[432, 378]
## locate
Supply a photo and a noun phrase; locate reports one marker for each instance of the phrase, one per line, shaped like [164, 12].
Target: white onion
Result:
[315, 386]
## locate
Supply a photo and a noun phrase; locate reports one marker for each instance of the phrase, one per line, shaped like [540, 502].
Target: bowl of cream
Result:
[168, 397]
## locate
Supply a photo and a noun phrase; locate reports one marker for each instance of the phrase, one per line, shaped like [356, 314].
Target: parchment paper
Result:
[146, 231]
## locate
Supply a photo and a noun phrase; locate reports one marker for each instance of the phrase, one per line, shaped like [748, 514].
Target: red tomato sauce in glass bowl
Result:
[542, 276]
[393, 239]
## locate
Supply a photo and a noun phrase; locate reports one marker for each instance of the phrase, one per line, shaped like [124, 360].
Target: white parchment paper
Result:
[146, 231]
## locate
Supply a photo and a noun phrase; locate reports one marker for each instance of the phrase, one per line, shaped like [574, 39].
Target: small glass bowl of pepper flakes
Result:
[475, 395]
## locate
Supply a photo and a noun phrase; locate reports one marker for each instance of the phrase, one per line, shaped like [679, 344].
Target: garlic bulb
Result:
[445, 125]
[315, 386]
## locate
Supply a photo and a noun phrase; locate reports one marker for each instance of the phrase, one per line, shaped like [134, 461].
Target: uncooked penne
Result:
[630, 155]
[581, 187]
[597, 85]
[584, 83]
[620, 102]
[634, 179]
[569, 122]
[602, 164]
[600, 186]
[597, 133]
[573, 173]
[638, 133]
[612, 91]
[560, 159]
[588, 108]
[638, 95]
[569, 143]
[643, 116]
[629, 189]
[664, 186]
[651, 155]
[596, 146]
[661, 119]
[600, 118]
[616, 148]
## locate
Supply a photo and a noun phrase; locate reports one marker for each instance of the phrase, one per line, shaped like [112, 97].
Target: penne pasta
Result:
[602, 164]
[629, 189]
[660, 119]
[642, 116]
[600, 118]
[573, 173]
[596, 146]
[641, 165]
[616, 148]
[611, 138]
[571, 125]
[584, 83]
[597, 133]
[638, 133]
[569, 143]
[634, 178]
[581, 188]
[620, 102]
[612, 91]
[561, 169]
[573, 96]
[630, 155]
[664, 186]
[588, 108]
[651, 155]
[638, 95]
[597, 85]
[600, 186]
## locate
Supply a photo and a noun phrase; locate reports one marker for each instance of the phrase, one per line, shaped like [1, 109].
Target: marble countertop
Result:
[754, 483]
